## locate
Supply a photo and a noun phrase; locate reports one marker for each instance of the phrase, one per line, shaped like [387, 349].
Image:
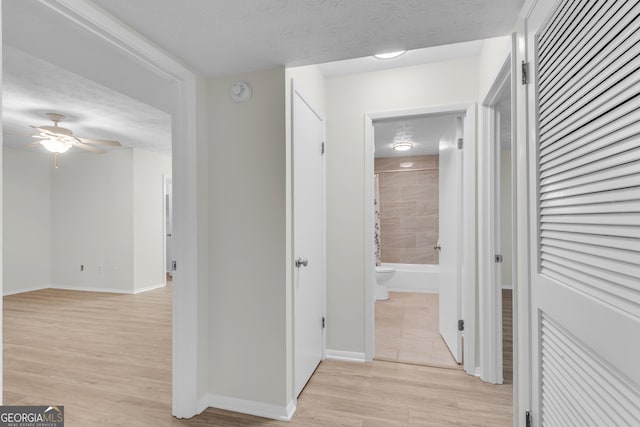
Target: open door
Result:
[450, 224]
[308, 240]
[583, 110]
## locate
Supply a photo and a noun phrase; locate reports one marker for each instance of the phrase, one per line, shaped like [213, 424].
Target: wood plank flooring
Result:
[407, 331]
[107, 359]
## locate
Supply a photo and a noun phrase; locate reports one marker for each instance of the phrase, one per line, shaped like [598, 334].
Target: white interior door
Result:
[583, 112]
[308, 204]
[450, 224]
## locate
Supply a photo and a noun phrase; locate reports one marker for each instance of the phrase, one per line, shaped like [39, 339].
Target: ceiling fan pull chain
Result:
[55, 160]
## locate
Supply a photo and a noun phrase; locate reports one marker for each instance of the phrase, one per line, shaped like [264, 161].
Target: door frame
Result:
[469, 296]
[185, 154]
[490, 291]
[297, 91]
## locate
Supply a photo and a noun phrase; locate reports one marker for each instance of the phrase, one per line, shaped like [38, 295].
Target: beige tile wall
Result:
[408, 208]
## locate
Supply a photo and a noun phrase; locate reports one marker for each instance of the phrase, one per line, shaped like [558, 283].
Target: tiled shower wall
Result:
[408, 208]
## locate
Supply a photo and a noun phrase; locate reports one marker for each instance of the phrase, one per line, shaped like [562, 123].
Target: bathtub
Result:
[414, 278]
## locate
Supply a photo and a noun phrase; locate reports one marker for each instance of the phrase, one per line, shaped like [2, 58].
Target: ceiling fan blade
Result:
[54, 130]
[100, 141]
[33, 144]
[89, 148]
[43, 130]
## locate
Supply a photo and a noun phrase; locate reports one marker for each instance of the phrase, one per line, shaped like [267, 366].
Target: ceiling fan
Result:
[58, 140]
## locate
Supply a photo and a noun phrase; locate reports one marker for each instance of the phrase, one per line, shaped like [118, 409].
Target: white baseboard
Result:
[86, 289]
[149, 288]
[6, 292]
[416, 291]
[347, 356]
[259, 409]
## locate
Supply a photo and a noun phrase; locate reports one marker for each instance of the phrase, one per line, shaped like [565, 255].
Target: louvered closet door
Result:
[583, 112]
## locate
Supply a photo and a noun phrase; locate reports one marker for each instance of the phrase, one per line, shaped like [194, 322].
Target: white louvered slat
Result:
[610, 162]
[611, 230]
[630, 206]
[607, 241]
[612, 196]
[595, 187]
[591, 57]
[585, 386]
[583, 105]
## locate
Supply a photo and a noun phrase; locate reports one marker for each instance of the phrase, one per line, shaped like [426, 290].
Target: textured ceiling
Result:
[33, 87]
[220, 37]
[423, 131]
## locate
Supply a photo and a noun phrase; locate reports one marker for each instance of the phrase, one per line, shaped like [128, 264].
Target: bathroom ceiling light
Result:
[403, 146]
[389, 55]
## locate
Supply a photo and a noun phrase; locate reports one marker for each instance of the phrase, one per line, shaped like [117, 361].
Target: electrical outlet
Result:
[99, 269]
[81, 267]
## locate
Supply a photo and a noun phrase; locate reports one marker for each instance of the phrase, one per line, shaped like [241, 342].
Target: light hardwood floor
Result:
[107, 359]
[407, 331]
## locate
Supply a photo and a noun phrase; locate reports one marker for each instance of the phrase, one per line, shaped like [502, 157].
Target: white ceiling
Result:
[423, 131]
[220, 37]
[33, 87]
[107, 94]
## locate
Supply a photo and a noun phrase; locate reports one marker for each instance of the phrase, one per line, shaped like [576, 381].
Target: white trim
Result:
[83, 289]
[469, 246]
[150, 288]
[522, 348]
[259, 409]
[89, 289]
[185, 160]
[490, 290]
[507, 286]
[346, 356]
[6, 292]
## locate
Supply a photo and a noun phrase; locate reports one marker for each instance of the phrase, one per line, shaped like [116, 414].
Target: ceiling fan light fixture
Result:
[389, 55]
[55, 145]
[403, 146]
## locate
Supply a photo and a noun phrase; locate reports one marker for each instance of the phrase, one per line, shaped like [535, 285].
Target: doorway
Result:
[116, 40]
[497, 233]
[449, 308]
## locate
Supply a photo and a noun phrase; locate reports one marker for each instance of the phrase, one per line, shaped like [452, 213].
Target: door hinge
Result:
[498, 259]
[527, 418]
[322, 149]
[174, 265]
[525, 73]
[461, 325]
[323, 322]
[460, 143]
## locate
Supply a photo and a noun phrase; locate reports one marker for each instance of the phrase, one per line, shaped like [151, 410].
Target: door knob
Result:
[437, 247]
[301, 262]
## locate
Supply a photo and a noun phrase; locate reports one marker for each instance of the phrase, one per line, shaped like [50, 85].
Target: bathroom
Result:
[407, 229]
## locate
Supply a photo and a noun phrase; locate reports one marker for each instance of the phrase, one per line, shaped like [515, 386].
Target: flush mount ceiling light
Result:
[389, 55]
[403, 146]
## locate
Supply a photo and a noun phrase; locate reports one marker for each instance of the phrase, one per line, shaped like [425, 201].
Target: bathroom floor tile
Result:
[407, 330]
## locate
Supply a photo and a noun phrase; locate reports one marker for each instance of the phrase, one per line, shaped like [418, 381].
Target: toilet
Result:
[383, 274]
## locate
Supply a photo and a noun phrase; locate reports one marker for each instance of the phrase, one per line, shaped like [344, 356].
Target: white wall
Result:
[148, 218]
[348, 98]
[92, 221]
[493, 53]
[25, 220]
[104, 212]
[247, 242]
